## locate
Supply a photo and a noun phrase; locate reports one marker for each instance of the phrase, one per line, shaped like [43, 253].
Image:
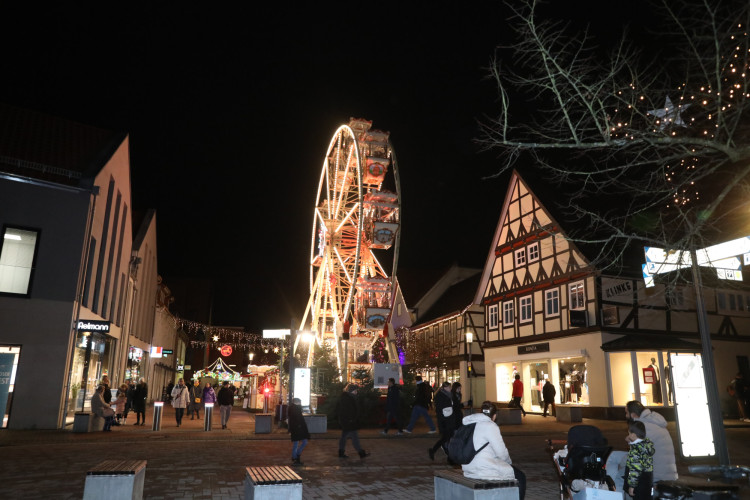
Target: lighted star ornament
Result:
[216, 338]
[670, 114]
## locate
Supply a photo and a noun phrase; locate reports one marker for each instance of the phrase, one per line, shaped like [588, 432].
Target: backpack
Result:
[461, 446]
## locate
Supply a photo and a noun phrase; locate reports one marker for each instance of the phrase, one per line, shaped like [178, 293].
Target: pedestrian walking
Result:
[393, 407]
[226, 400]
[140, 393]
[209, 395]
[741, 391]
[348, 411]
[518, 393]
[180, 398]
[446, 419]
[422, 403]
[548, 393]
[196, 398]
[458, 406]
[298, 430]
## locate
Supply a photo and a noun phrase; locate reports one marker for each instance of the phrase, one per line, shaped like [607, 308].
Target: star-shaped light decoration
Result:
[216, 338]
[670, 114]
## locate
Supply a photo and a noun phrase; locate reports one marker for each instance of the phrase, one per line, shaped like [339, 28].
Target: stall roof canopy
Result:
[640, 342]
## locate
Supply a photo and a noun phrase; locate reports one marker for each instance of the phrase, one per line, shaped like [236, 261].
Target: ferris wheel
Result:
[355, 237]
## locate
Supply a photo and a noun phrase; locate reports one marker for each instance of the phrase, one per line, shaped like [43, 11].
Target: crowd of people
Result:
[132, 396]
[651, 457]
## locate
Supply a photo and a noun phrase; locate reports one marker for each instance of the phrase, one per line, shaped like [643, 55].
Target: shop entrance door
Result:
[538, 372]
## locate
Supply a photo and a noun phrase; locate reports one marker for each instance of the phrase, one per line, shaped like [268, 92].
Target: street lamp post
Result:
[469, 341]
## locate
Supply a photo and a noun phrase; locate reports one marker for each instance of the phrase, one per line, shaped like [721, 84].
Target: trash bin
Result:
[82, 422]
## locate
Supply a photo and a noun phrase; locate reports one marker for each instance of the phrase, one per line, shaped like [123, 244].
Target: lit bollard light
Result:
[158, 408]
[207, 414]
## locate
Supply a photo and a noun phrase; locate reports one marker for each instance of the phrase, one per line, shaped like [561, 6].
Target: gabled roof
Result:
[517, 188]
[455, 299]
[53, 149]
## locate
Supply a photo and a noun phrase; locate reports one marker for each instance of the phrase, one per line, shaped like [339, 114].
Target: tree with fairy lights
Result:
[648, 138]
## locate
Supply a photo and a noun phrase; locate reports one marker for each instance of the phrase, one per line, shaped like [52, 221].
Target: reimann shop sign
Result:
[91, 325]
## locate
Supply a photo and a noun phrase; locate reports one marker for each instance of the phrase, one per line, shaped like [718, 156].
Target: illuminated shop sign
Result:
[532, 348]
[90, 325]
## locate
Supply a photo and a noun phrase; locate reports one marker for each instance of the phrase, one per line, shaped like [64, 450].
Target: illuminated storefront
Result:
[91, 361]
[134, 370]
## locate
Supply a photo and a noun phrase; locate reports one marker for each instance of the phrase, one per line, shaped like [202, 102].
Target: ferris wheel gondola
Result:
[355, 237]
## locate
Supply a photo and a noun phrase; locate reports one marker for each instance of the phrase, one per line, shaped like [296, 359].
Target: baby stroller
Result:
[582, 463]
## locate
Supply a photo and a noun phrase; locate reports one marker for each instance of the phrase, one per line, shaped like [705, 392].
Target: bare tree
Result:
[660, 133]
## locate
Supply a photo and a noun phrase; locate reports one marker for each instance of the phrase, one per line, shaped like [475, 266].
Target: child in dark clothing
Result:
[639, 467]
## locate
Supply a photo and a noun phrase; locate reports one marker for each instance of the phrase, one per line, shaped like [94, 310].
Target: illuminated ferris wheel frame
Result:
[339, 253]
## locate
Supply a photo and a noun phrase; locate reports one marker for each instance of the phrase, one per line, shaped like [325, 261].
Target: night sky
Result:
[230, 113]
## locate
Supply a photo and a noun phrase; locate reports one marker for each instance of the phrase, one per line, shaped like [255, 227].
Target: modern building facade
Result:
[68, 279]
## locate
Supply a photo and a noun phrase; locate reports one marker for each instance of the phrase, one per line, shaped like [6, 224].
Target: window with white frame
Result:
[508, 315]
[533, 252]
[521, 257]
[525, 309]
[18, 249]
[577, 297]
[552, 302]
[492, 315]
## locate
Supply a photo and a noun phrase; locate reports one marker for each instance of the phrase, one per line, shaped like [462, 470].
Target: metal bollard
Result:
[207, 414]
[158, 408]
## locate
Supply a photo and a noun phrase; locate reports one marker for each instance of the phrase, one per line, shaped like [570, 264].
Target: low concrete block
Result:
[317, 424]
[509, 416]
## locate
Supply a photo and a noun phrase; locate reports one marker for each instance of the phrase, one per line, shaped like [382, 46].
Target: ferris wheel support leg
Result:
[392, 351]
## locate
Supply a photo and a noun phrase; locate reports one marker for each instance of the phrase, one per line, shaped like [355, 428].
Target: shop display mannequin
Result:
[656, 386]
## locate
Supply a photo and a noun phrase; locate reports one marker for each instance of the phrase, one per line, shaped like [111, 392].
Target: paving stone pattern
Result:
[187, 462]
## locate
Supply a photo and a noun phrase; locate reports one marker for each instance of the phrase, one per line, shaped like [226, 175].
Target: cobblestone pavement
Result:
[188, 462]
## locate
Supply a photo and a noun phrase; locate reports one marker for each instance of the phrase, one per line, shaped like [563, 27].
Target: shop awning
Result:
[641, 342]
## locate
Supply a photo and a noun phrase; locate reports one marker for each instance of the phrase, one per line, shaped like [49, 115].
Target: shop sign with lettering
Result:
[91, 325]
[532, 348]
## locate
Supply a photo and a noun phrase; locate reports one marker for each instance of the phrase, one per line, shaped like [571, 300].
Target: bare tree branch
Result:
[660, 133]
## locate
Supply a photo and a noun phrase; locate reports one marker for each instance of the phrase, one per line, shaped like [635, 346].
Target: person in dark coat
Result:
[458, 406]
[348, 418]
[392, 407]
[446, 419]
[298, 430]
[107, 391]
[548, 393]
[196, 398]
[422, 403]
[129, 402]
[140, 393]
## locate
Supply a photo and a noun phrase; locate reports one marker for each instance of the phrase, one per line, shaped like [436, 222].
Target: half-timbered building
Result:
[445, 343]
[601, 340]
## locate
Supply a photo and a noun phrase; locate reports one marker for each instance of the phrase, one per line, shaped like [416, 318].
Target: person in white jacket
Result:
[665, 464]
[493, 462]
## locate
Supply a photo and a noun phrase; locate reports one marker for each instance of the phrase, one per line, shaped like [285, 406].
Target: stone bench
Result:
[568, 413]
[509, 416]
[316, 423]
[115, 480]
[87, 422]
[263, 423]
[272, 483]
[451, 484]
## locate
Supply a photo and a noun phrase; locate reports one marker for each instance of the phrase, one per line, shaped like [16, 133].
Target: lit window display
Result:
[133, 370]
